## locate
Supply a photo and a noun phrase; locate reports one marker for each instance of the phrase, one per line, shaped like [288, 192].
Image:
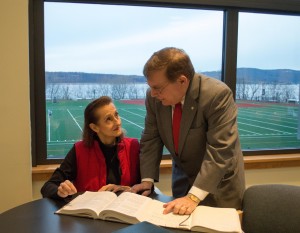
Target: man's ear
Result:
[182, 79]
[94, 127]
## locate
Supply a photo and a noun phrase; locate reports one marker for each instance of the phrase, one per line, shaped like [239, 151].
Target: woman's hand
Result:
[66, 188]
[114, 188]
[145, 188]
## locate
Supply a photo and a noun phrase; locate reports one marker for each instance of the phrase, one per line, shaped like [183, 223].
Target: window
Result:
[268, 81]
[94, 50]
[82, 50]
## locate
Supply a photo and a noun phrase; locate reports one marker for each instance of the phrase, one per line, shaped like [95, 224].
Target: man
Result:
[208, 163]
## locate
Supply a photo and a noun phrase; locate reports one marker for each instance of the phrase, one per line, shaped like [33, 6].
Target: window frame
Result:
[231, 9]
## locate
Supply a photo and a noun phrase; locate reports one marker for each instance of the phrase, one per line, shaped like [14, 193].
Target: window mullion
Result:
[230, 37]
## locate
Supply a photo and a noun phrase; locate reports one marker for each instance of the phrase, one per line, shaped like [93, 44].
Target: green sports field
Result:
[261, 125]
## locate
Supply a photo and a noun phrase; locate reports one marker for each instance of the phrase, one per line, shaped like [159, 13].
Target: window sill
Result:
[251, 162]
[272, 161]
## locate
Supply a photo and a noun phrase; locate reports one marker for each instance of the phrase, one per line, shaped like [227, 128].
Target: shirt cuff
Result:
[201, 194]
[148, 179]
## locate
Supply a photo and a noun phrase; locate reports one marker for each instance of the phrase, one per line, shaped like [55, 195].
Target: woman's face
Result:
[108, 126]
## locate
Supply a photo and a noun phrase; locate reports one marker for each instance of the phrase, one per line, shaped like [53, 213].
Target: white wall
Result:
[15, 158]
[286, 175]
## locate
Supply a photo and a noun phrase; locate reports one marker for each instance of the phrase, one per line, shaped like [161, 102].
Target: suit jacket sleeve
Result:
[222, 147]
[151, 143]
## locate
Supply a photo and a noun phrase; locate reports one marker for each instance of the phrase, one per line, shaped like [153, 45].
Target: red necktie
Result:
[176, 125]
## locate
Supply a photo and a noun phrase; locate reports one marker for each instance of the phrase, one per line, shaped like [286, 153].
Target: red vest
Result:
[91, 166]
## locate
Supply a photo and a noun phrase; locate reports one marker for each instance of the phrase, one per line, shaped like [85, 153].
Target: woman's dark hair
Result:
[88, 135]
[174, 60]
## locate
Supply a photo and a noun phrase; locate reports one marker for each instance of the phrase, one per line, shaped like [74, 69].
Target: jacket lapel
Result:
[166, 113]
[190, 108]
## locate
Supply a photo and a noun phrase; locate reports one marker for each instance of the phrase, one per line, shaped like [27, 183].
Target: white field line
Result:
[240, 123]
[132, 123]
[268, 136]
[49, 133]
[248, 131]
[74, 120]
[260, 114]
[133, 113]
[268, 123]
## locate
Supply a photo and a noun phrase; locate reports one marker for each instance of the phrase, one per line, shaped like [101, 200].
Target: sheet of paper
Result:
[95, 201]
[221, 219]
[154, 214]
[129, 203]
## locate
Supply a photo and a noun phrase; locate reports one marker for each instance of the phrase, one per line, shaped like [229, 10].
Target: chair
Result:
[271, 208]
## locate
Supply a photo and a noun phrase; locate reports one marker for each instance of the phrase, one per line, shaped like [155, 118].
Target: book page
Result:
[127, 204]
[153, 213]
[94, 201]
[218, 219]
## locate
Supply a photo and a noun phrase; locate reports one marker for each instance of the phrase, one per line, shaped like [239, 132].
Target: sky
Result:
[119, 39]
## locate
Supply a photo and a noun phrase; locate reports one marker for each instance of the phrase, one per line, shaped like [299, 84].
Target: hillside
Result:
[253, 75]
[80, 77]
[250, 75]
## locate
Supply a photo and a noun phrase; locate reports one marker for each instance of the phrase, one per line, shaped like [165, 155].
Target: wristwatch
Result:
[193, 198]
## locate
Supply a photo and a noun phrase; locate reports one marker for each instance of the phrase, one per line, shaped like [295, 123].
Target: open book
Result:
[133, 208]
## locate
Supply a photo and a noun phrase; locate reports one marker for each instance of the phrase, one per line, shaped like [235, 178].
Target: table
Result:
[38, 217]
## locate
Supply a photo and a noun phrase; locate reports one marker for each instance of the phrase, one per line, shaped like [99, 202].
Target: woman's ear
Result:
[94, 127]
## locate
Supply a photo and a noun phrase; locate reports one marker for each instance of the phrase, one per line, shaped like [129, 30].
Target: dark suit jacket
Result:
[209, 154]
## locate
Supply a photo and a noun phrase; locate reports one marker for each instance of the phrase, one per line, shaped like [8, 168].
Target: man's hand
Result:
[66, 188]
[114, 188]
[181, 206]
[144, 188]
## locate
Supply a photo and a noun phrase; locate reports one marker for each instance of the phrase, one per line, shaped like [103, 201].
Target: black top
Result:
[68, 170]
[112, 163]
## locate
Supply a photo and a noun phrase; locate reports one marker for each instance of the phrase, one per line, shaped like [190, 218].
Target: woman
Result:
[103, 160]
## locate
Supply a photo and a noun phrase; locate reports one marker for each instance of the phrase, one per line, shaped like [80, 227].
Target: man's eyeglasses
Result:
[159, 90]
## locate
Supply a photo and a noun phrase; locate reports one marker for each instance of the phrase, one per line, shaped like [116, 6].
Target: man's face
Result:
[169, 93]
